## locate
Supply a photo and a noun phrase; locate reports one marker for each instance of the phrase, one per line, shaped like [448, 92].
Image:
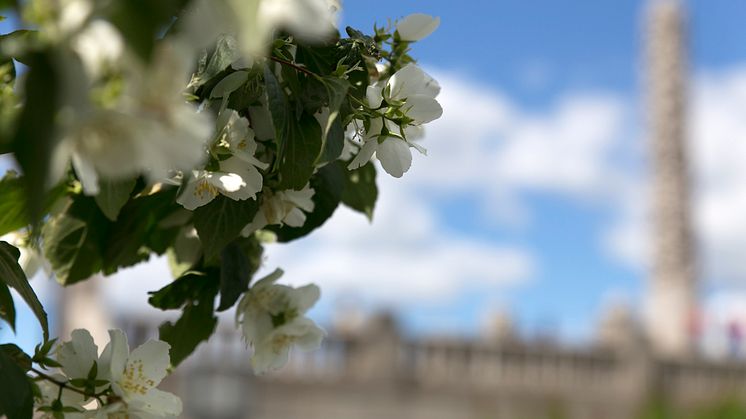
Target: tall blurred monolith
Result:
[672, 286]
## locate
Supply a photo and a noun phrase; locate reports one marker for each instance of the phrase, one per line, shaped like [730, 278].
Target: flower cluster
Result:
[114, 383]
[272, 319]
[399, 106]
[200, 130]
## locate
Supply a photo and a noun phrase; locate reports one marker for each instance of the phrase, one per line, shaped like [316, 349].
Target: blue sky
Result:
[461, 236]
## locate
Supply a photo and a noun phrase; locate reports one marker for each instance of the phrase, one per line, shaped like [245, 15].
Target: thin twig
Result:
[62, 385]
[295, 66]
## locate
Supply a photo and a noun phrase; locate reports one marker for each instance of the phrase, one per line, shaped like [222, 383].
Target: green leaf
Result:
[12, 275]
[143, 21]
[334, 142]
[278, 106]
[34, 139]
[360, 192]
[225, 53]
[7, 307]
[16, 393]
[301, 146]
[73, 241]
[333, 132]
[193, 327]
[221, 221]
[234, 275]
[138, 230]
[17, 354]
[318, 59]
[113, 195]
[13, 214]
[327, 185]
[190, 287]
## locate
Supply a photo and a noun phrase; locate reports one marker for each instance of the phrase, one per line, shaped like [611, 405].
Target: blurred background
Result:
[572, 246]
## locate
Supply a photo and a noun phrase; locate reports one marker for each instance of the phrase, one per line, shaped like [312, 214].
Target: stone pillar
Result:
[81, 306]
[671, 292]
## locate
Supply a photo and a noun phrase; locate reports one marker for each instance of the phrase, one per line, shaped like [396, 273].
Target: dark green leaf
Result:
[143, 21]
[236, 269]
[74, 240]
[7, 307]
[12, 275]
[113, 195]
[33, 139]
[13, 215]
[301, 146]
[17, 354]
[327, 184]
[138, 230]
[193, 327]
[187, 288]
[16, 394]
[360, 192]
[225, 53]
[279, 109]
[221, 221]
[318, 59]
[333, 143]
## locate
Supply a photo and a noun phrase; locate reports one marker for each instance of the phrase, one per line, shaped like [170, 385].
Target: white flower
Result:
[78, 355]
[417, 90]
[272, 320]
[151, 130]
[238, 177]
[393, 151]
[133, 376]
[283, 207]
[416, 27]
[100, 46]
[254, 22]
[409, 95]
[272, 352]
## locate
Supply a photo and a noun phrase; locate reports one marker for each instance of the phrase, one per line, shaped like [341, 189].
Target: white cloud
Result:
[719, 153]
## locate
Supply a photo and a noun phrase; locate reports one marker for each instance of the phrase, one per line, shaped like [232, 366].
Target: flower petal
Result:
[197, 192]
[363, 156]
[157, 403]
[374, 94]
[417, 26]
[115, 354]
[149, 363]
[395, 156]
[422, 109]
[78, 355]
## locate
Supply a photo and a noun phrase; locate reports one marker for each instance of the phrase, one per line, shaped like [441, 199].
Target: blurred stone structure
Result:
[376, 372]
[670, 311]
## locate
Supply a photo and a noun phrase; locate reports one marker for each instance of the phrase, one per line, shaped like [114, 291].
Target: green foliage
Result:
[328, 184]
[16, 394]
[113, 196]
[13, 214]
[7, 307]
[239, 260]
[74, 240]
[12, 275]
[195, 292]
[34, 136]
[301, 143]
[360, 191]
[221, 221]
[141, 21]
